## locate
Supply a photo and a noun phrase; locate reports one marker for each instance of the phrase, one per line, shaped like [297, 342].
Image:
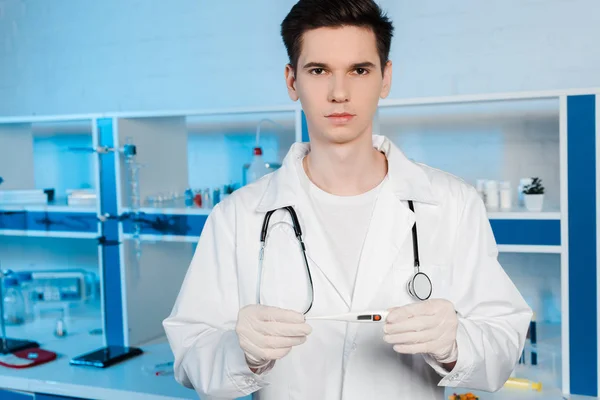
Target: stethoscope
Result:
[419, 285]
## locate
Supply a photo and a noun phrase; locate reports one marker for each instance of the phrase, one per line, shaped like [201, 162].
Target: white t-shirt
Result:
[345, 221]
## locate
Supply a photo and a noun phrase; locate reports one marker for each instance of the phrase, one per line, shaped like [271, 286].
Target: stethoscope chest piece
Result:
[420, 286]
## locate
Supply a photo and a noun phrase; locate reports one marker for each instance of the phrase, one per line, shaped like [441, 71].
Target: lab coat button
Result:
[250, 381]
[354, 346]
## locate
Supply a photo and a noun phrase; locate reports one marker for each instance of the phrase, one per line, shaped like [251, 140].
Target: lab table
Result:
[132, 379]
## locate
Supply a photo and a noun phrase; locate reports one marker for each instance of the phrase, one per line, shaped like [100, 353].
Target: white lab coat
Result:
[339, 360]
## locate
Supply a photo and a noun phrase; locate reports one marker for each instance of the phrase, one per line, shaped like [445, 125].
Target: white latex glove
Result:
[267, 333]
[426, 327]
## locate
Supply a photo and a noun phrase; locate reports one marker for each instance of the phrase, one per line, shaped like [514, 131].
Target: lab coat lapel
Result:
[319, 252]
[285, 189]
[392, 220]
[390, 226]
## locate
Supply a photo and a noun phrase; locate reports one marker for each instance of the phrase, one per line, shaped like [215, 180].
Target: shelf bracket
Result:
[102, 241]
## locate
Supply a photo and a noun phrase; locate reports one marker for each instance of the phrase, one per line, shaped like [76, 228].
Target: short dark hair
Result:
[312, 14]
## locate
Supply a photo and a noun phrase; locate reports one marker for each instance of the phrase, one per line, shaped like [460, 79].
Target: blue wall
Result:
[215, 160]
[68, 56]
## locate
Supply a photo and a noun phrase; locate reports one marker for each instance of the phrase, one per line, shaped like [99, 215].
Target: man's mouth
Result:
[340, 118]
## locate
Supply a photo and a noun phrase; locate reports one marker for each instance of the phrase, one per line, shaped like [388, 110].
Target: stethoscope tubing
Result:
[298, 232]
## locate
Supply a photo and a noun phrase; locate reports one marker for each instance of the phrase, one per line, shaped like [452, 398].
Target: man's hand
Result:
[427, 327]
[267, 334]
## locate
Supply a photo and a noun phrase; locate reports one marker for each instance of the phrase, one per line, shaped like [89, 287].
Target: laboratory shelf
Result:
[48, 234]
[515, 231]
[175, 210]
[179, 224]
[521, 231]
[521, 213]
[58, 206]
[507, 248]
[527, 232]
[49, 221]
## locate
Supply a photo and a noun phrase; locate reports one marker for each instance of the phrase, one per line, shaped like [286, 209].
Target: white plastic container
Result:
[481, 188]
[492, 198]
[505, 196]
[258, 167]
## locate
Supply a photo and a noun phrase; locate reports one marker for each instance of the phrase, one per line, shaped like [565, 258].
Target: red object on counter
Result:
[34, 356]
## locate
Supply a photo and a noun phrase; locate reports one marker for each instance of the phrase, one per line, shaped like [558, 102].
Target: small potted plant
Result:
[534, 195]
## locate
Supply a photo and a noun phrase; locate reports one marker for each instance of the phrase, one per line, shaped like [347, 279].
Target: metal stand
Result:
[10, 345]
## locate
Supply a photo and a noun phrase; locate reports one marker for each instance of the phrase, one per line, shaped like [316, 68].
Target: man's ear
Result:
[290, 80]
[387, 80]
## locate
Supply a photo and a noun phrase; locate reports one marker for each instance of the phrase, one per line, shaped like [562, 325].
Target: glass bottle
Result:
[14, 304]
[26, 285]
[258, 167]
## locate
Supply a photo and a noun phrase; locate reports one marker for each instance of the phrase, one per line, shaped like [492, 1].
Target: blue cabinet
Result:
[40, 396]
[14, 395]
[18, 395]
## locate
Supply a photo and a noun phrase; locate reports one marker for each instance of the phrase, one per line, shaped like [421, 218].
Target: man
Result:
[244, 324]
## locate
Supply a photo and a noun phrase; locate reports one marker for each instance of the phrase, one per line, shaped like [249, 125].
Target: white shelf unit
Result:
[502, 140]
[48, 155]
[50, 236]
[177, 152]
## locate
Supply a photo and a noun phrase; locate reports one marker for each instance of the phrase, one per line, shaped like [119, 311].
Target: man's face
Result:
[339, 82]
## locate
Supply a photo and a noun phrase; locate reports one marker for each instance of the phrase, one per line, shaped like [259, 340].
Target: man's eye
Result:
[361, 71]
[317, 71]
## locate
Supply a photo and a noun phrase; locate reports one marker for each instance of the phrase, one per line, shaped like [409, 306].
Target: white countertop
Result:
[133, 380]
[130, 379]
